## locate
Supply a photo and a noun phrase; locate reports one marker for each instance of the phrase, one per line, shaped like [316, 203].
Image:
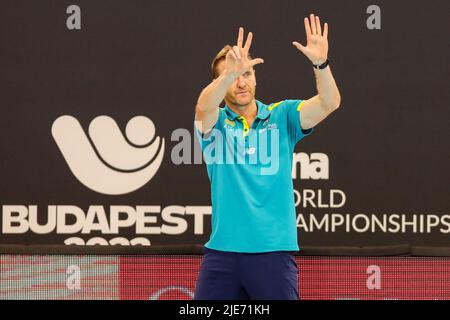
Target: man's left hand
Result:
[316, 42]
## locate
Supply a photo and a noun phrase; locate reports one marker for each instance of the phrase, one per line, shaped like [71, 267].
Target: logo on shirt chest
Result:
[267, 125]
[229, 124]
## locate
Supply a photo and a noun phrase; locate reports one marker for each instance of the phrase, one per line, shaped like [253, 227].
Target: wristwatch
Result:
[323, 65]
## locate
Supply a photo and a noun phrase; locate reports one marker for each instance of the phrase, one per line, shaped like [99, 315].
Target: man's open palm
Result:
[316, 42]
[237, 61]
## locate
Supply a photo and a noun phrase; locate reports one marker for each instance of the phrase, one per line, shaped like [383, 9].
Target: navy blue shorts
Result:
[242, 276]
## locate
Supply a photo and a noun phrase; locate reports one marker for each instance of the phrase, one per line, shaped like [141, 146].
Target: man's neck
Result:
[248, 111]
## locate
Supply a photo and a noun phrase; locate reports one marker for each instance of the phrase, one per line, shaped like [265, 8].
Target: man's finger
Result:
[256, 61]
[325, 30]
[299, 46]
[236, 51]
[319, 28]
[240, 37]
[307, 29]
[313, 24]
[248, 43]
[232, 54]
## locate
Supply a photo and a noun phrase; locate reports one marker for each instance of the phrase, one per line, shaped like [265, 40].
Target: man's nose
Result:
[241, 82]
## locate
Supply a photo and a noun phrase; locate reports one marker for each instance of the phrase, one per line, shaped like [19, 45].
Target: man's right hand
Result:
[237, 61]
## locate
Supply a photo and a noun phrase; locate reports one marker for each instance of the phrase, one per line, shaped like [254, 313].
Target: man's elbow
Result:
[334, 104]
[338, 102]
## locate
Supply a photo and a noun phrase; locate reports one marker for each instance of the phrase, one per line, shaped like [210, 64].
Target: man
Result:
[254, 233]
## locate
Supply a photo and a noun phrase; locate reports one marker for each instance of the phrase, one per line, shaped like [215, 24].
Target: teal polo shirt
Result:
[250, 170]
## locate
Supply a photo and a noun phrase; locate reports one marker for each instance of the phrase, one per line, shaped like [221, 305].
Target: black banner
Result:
[80, 81]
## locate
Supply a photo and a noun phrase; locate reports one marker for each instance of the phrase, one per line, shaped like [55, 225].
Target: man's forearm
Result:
[213, 94]
[327, 89]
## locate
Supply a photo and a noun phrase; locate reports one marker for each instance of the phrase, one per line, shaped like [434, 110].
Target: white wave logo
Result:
[107, 162]
[157, 295]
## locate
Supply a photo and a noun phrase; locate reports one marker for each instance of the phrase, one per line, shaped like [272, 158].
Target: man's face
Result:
[242, 92]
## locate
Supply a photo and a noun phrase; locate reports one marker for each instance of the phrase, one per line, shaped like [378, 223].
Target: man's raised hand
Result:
[316, 42]
[237, 61]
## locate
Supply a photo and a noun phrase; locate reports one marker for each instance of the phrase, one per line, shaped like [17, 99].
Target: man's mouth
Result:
[241, 92]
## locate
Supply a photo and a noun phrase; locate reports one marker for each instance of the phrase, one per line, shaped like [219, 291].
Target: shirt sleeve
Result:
[296, 133]
[205, 139]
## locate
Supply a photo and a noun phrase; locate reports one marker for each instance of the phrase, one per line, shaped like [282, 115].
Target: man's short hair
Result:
[220, 57]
